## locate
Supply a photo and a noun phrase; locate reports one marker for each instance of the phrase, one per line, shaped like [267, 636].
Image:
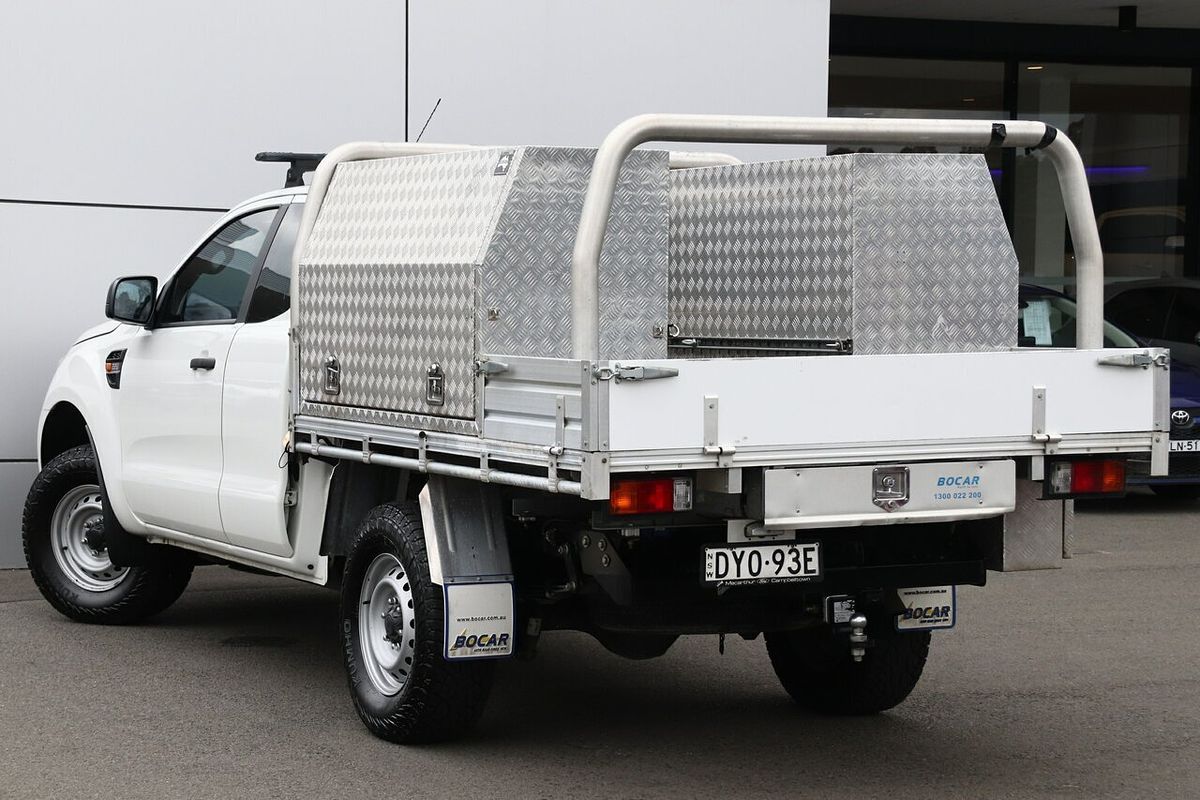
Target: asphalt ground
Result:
[1074, 683]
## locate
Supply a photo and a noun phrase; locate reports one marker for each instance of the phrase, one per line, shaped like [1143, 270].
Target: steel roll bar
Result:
[597, 203]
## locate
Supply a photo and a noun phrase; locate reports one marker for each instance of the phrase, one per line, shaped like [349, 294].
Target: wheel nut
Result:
[605, 560]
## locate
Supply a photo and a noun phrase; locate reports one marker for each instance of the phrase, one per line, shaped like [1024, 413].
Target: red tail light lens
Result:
[1085, 477]
[1098, 477]
[650, 496]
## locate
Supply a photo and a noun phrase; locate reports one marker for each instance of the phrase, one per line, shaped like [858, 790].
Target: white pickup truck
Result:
[489, 392]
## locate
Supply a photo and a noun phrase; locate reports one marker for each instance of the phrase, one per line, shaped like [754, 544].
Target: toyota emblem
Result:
[1179, 417]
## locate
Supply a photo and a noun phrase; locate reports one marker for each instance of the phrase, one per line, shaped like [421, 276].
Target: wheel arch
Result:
[65, 427]
[354, 490]
[79, 409]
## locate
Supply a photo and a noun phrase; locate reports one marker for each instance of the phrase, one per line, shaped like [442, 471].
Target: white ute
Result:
[489, 392]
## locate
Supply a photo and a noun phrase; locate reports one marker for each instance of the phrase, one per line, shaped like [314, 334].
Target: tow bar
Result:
[858, 636]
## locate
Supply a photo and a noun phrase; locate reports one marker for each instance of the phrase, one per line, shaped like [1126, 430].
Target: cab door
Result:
[169, 401]
[254, 480]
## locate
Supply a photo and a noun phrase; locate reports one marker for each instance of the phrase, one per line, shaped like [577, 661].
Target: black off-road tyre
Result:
[818, 672]
[434, 699]
[142, 591]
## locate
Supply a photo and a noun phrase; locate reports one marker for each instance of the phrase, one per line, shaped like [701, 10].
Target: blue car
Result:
[1047, 319]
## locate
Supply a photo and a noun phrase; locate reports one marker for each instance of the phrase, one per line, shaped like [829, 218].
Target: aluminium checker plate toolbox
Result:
[897, 253]
[423, 264]
[421, 267]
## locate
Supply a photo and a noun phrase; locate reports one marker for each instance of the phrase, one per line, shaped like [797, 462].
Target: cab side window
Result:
[272, 290]
[211, 285]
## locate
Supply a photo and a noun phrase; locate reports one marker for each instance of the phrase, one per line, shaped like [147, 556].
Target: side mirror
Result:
[131, 299]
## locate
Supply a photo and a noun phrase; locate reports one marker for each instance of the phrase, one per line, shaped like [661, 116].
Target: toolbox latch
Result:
[620, 372]
[1142, 360]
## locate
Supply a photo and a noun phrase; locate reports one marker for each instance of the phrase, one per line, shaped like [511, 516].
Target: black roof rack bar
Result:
[298, 165]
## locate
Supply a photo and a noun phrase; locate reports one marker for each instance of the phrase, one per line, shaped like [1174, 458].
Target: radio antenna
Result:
[431, 113]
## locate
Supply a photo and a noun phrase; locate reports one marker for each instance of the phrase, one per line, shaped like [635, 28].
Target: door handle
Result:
[203, 363]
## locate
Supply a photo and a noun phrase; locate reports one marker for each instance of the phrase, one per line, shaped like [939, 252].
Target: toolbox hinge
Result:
[712, 447]
[620, 372]
[1143, 360]
[1049, 438]
[557, 449]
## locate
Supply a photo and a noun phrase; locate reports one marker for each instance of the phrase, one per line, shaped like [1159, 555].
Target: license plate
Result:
[762, 563]
[1185, 445]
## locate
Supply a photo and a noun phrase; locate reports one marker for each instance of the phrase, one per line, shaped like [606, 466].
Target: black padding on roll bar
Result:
[999, 134]
[1047, 137]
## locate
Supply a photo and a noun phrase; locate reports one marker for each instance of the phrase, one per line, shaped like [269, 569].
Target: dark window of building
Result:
[1131, 127]
[1130, 124]
[1140, 311]
[1183, 324]
[1150, 231]
[861, 86]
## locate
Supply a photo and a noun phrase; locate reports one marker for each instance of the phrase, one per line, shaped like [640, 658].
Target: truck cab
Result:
[190, 410]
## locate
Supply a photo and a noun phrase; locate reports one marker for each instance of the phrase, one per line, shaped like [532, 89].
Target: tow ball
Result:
[858, 636]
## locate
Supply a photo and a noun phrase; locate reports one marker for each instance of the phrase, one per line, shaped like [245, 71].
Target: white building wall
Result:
[130, 124]
[547, 72]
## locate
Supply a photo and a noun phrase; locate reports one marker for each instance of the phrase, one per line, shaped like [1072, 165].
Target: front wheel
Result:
[818, 672]
[393, 634]
[62, 530]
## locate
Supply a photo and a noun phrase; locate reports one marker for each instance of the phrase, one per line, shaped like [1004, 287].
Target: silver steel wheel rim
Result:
[387, 629]
[73, 537]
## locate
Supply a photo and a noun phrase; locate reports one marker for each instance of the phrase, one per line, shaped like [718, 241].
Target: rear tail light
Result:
[1085, 477]
[650, 495]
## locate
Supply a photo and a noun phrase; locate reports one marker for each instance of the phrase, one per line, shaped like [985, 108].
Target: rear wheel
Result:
[63, 534]
[393, 637]
[818, 672]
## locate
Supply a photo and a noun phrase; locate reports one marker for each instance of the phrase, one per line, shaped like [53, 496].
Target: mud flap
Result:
[479, 620]
[468, 557]
[927, 608]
